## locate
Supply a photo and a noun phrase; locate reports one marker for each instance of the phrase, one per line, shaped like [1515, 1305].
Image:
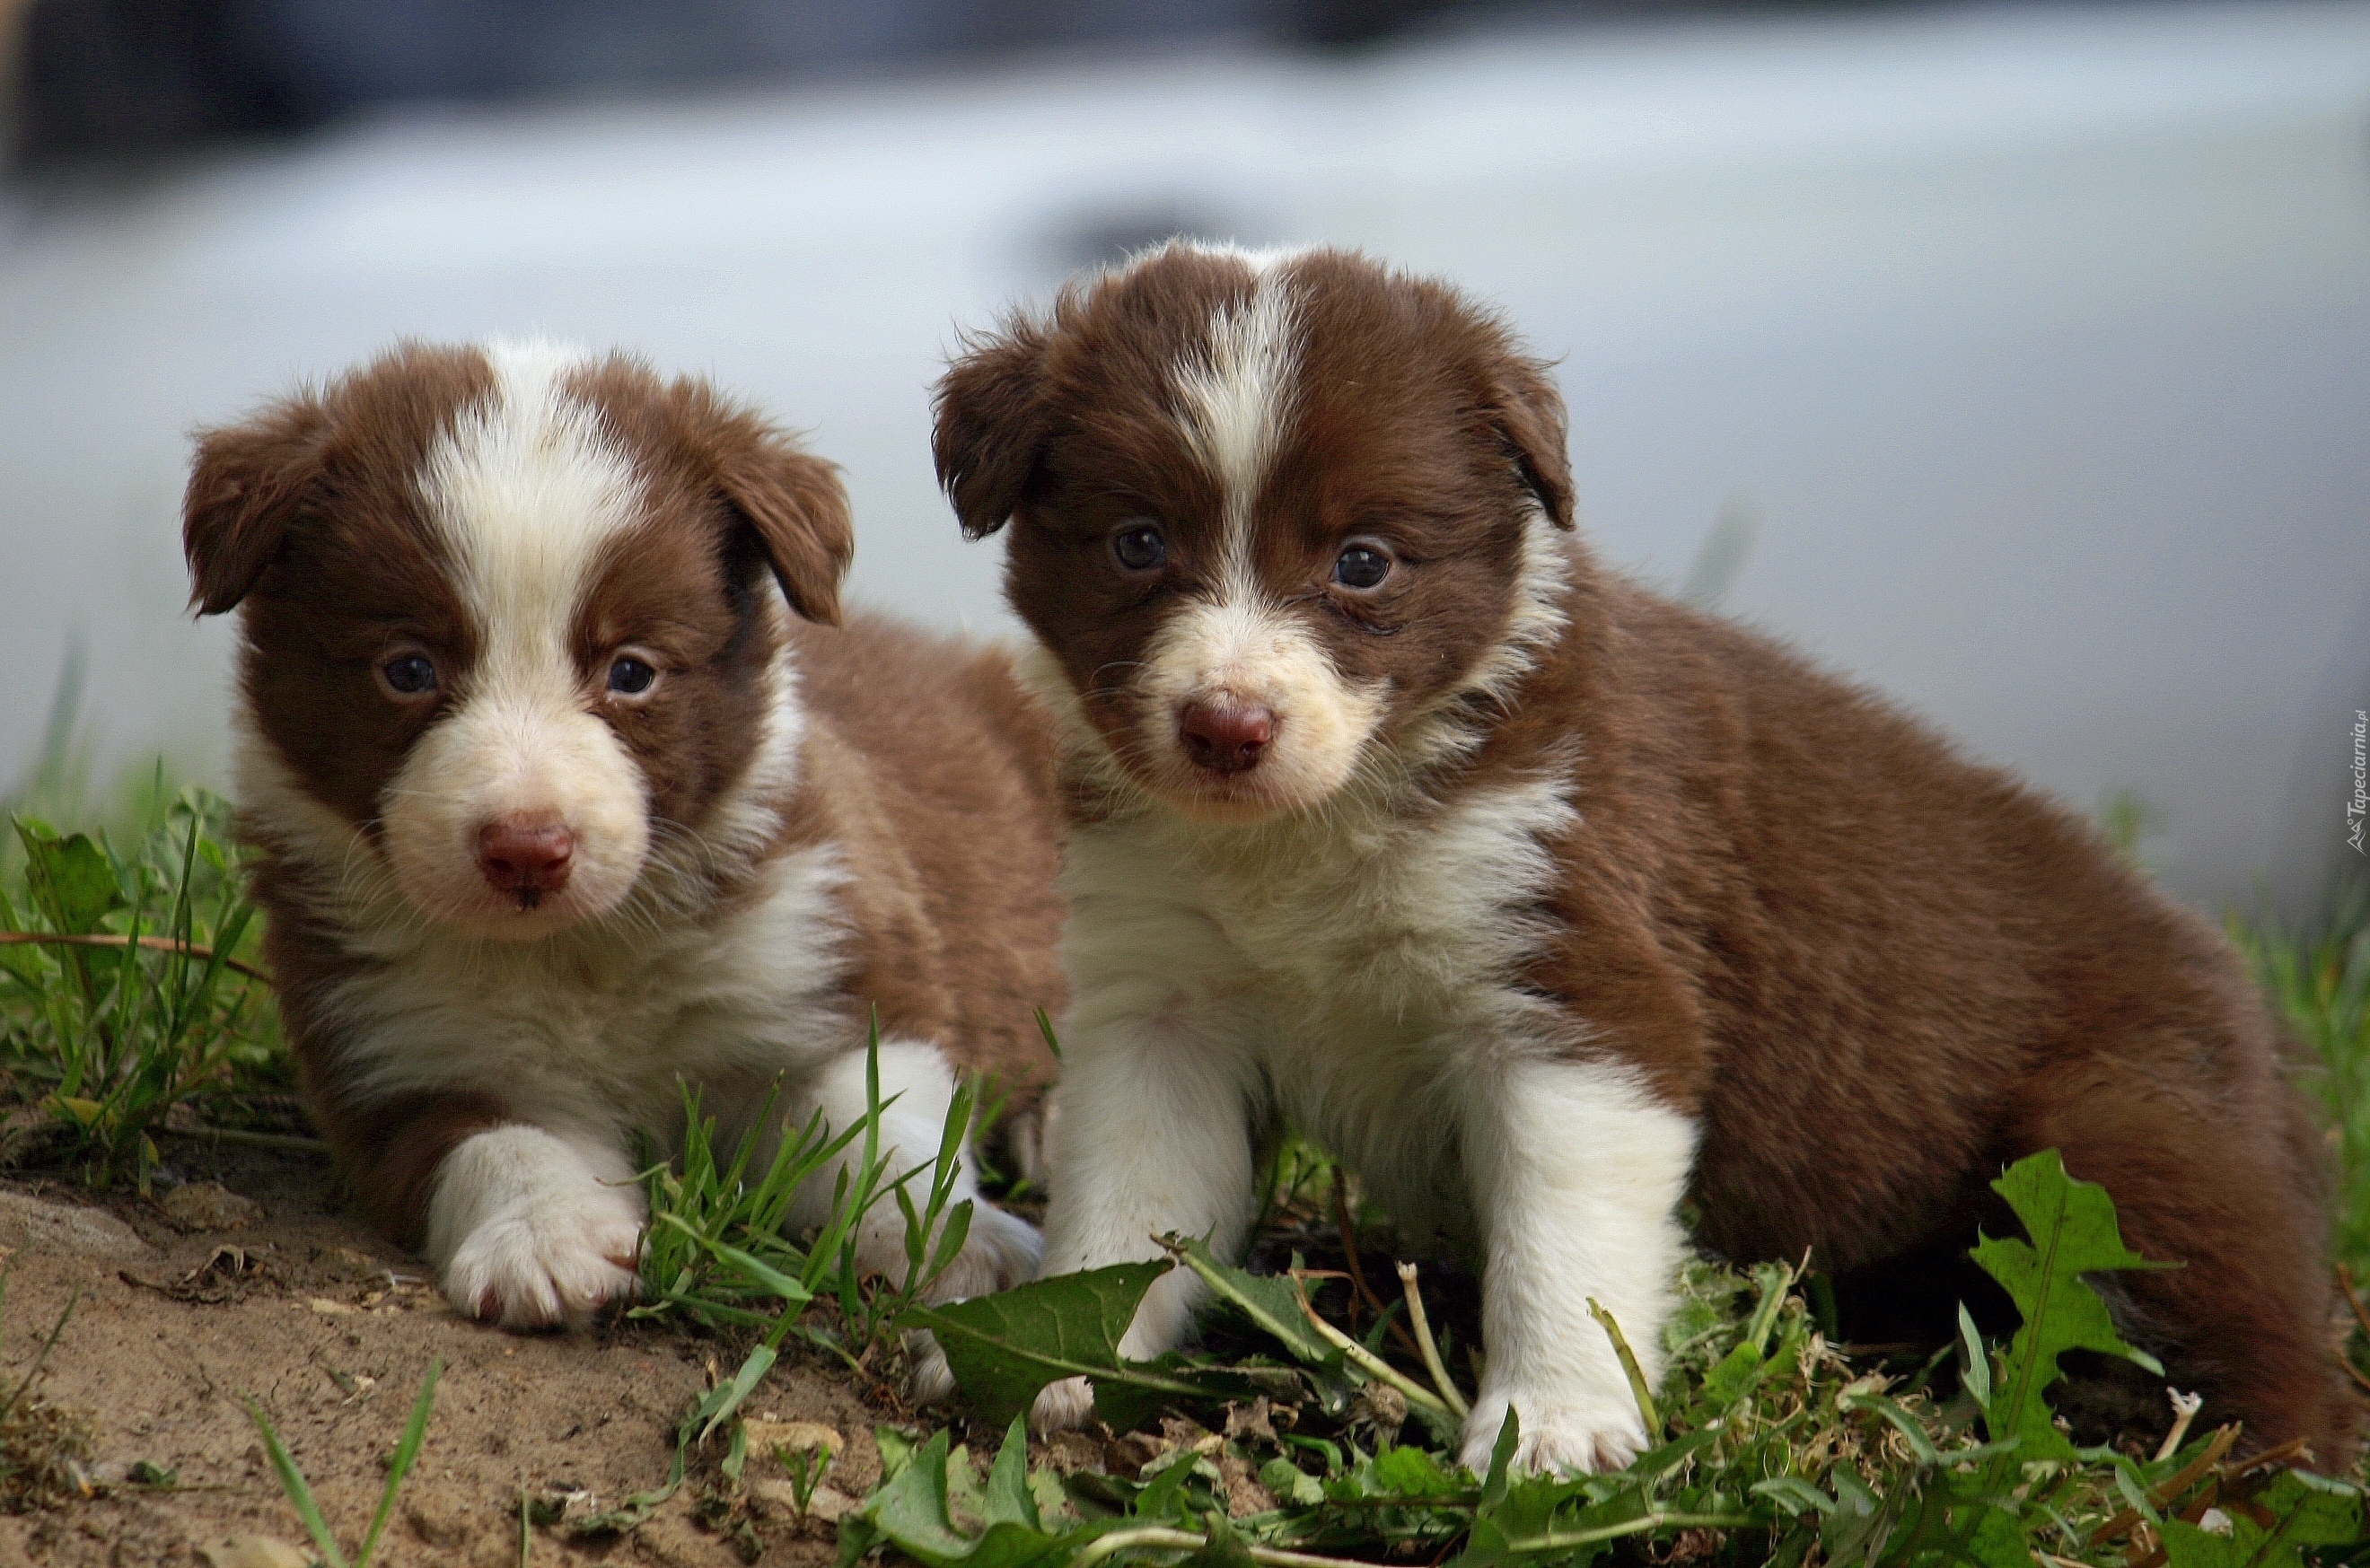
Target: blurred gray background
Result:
[2015, 360]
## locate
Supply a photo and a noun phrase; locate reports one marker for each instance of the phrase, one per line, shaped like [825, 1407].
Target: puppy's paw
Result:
[999, 1251]
[1557, 1436]
[933, 1381]
[548, 1262]
[1062, 1406]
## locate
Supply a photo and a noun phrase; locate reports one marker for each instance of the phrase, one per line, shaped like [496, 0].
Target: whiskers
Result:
[684, 872]
[368, 894]
[1096, 687]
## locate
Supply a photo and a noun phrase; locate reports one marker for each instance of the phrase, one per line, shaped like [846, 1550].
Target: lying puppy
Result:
[555, 801]
[1546, 902]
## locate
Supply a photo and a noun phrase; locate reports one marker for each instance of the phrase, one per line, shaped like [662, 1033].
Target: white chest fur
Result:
[1351, 963]
[1359, 978]
[592, 1027]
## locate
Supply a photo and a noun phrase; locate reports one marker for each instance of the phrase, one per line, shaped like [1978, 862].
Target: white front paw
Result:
[548, 1261]
[1062, 1406]
[1557, 1435]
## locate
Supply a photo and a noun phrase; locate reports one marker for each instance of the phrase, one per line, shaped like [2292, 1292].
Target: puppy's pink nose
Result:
[1224, 737]
[526, 857]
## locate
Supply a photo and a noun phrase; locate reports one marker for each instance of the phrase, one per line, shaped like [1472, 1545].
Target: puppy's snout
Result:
[1225, 737]
[525, 857]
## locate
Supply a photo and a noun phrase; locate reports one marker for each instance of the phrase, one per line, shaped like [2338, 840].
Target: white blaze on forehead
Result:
[525, 489]
[525, 486]
[1236, 394]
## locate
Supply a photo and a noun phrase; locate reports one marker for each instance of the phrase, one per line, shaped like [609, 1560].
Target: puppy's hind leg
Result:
[2219, 1181]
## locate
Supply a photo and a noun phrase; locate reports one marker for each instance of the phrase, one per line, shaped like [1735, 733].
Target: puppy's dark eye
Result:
[1361, 566]
[1139, 547]
[410, 674]
[631, 676]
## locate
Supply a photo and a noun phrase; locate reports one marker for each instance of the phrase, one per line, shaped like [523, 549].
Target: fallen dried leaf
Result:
[254, 1551]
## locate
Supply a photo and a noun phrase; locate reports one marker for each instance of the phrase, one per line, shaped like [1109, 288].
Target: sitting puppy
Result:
[1547, 903]
[556, 801]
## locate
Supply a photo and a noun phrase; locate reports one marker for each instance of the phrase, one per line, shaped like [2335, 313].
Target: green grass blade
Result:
[406, 1451]
[291, 1482]
[795, 1294]
[744, 1382]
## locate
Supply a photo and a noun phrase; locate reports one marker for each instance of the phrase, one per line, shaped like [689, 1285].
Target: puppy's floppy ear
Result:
[791, 500]
[993, 422]
[1528, 412]
[795, 504]
[247, 485]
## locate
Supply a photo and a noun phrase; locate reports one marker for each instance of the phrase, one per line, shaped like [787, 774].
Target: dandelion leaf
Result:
[1269, 1300]
[23, 961]
[1413, 1472]
[1004, 1349]
[1008, 1498]
[2304, 1510]
[914, 1513]
[2071, 1227]
[1225, 1549]
[1549, 1518]
[72, 879]
[1998, 1541]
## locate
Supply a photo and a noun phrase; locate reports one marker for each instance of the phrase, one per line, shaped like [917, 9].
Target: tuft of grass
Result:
[2318, 979]
[128, 985]
[2125, 817]
[42, 1444]
[300, 1492]
[719, 1251]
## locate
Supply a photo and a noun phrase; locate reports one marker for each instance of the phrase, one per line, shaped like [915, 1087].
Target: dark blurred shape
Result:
[1346, 22]
[103, 80]
[400, 50]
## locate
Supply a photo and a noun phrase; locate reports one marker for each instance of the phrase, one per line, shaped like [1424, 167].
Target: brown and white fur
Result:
[514, 899]
[1546, 902]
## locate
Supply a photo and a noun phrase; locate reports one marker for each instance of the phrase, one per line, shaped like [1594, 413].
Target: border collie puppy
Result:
[566, 783]
[1547, 903]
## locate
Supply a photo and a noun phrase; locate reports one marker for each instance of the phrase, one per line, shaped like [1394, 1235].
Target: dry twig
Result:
[286, 1142]
[2166, 1491]
[1424, 1344]
[104, 939]
[1348, 1224]
[1373, 1365]
[2184, 1411]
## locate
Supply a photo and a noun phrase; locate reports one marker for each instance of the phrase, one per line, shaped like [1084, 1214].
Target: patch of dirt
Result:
[332, 1332]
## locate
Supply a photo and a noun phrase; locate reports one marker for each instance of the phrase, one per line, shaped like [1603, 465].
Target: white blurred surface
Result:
[2036, 342]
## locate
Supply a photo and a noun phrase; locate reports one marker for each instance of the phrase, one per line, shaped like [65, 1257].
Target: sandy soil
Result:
[333, 1331]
